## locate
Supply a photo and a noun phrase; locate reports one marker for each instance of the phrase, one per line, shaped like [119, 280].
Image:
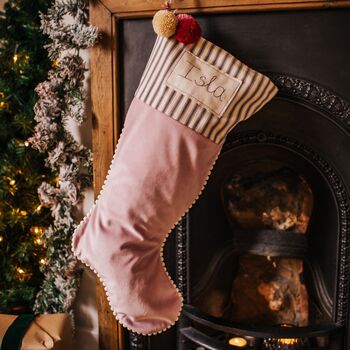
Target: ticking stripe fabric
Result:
[217, 78]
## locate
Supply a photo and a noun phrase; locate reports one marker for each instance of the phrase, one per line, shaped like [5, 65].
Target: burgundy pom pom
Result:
[188, 30]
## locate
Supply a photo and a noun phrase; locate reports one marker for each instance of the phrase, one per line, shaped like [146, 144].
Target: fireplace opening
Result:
[264, 249]
[268, 209]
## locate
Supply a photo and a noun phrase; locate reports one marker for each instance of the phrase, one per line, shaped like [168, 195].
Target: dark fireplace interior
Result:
[262, 259]
[256, 277]
[266, 258]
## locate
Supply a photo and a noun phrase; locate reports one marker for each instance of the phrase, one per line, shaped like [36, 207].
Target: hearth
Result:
[263, 258]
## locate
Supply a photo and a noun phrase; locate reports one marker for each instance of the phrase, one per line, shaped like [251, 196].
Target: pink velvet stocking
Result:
[188, 99]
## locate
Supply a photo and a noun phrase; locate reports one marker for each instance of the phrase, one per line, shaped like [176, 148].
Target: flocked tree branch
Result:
[62, 97]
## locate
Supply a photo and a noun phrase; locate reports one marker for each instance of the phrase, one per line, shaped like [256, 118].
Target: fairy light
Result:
[3, 104]
[26, 143]
[15, 58]
[20, 271]
[12, 182]
[43, 261]
[55, 64]
[58, 180]
[23, 213]
[22, 274]
[1, 238]
[38, 208]
[37, 232]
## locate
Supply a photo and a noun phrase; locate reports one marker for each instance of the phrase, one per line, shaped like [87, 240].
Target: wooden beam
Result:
[145, 8]
[2, 3]
[116, 79]
[103, 121]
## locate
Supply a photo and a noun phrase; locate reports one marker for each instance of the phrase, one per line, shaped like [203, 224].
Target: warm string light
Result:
[21, 60]
[55, 64]
[58, 180]
[18, 213]
[38, 209]
[11, 181]
[26, 143]
[37, 232]
[1, 238]
[12, 189]
[25, 57]
[3, 104]
[21, 274]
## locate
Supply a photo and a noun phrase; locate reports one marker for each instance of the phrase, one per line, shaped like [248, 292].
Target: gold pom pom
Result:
[164, 23]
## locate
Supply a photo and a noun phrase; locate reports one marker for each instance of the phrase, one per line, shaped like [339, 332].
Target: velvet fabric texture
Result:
[158, 171]
[170, 141]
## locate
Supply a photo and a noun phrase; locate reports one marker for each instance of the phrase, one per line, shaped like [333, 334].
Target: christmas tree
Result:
[23, 221]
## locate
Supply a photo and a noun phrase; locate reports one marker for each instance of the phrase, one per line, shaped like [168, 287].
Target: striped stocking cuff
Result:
[202, 86]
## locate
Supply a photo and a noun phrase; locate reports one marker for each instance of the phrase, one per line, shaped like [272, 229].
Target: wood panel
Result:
[104, 138]
[127, 8]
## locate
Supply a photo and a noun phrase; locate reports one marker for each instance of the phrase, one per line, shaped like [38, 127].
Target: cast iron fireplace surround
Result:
[305, 128]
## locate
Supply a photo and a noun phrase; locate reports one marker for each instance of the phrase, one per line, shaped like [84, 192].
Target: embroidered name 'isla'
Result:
[205, 83]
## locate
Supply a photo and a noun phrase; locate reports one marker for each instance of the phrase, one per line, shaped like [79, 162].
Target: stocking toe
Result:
[152, 324]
